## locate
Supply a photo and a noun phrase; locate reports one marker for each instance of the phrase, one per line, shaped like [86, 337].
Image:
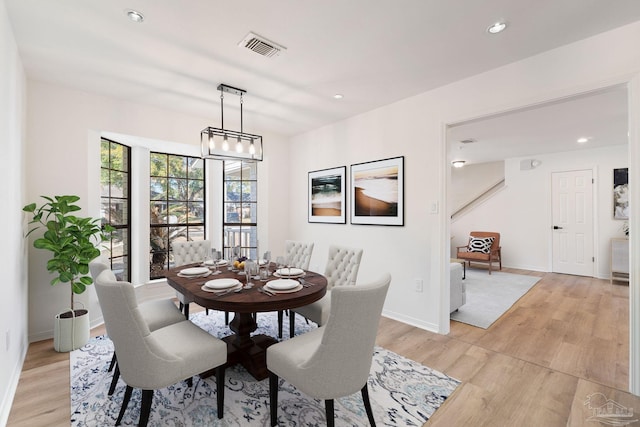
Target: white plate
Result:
[221, 291]
[220, 263]
[289, 272]
[278, 291]
[283, 284]
[194, 271]
[219, 284]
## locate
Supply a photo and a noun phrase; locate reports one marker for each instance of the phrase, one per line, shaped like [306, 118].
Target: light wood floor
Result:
[565, 339]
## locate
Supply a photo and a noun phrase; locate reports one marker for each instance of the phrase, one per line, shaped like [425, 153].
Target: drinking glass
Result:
[267, 262]
[215, 256]
[280, 262]
[249, 270]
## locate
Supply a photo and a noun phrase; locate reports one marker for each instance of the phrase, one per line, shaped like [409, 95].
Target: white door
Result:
[572, 202]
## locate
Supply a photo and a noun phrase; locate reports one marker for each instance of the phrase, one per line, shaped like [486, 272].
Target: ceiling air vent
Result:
[261, 45]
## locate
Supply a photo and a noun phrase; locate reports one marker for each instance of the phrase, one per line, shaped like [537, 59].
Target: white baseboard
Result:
[12, 386]
[427, 326]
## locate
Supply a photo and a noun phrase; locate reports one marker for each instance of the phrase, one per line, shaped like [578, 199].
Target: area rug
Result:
[490, 296]
[402, 392]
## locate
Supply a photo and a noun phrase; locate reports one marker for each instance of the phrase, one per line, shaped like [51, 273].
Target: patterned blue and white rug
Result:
[402, 392]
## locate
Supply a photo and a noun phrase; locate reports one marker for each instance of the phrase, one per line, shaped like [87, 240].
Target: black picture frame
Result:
[621, 194]
[328, 196]
[377, 192]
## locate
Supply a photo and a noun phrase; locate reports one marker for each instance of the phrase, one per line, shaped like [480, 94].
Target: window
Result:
[115, 206]
[240, 208]
[177, 206]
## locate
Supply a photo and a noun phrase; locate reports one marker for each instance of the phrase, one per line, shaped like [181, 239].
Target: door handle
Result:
[555, 227]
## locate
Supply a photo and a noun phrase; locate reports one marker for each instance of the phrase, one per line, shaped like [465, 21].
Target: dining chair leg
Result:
[186, 311]
[280, 321]
[145, 408]
[181, 307]
[292, 324]
[328, 409]
[273, 398]
[113, 362]
[206, 311]
[220, 390]
[190, 382]
[367, 405]
[114, 380]
[226, 318]
[125, 402]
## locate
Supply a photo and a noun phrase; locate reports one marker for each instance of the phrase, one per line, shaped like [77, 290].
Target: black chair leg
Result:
[113, 362]
[367, 404]
[186, 311]
[125, 402]
[226, 318]
[190, 382]
[273, 398]
[114, 380]
[292, 324]
[181, 307]
[207, 311]
[328, 409]
[220, 390]
[145, 408]
[280, 321]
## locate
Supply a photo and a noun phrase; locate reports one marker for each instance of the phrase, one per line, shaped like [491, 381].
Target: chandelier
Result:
[224, 144]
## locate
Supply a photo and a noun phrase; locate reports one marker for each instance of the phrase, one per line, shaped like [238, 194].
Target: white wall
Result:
[13, 304]
[64, 126]
[521, 212]
[417, 129]
[473, 180]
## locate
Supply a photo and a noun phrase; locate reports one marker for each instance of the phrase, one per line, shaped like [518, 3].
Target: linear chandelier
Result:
[224, 144]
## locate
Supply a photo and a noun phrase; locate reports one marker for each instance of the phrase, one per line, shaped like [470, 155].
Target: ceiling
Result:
[373, 52]
[601, 117]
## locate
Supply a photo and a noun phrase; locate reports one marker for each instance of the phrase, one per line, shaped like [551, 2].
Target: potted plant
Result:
[72, 241]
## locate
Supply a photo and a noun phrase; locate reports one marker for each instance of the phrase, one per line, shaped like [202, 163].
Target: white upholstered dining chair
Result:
[156, 313]
[298, 255]
[341, 270]
[189, 252]
[153, 360]
[335, 360]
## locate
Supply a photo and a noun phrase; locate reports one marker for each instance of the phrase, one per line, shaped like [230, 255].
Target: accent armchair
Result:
[484, 247]
[333, 361]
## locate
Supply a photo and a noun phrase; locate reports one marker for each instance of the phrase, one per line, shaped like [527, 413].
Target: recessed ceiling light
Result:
[458, 163]
[134, 15]
[497, 27]
[338, 96]
[582, 140]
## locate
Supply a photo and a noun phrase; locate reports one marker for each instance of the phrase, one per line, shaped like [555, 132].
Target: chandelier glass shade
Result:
[225, 144]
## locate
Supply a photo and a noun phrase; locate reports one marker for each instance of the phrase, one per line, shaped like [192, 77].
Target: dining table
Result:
[243, 347]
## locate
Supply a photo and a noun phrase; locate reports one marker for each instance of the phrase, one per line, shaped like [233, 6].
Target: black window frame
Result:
[121, 273]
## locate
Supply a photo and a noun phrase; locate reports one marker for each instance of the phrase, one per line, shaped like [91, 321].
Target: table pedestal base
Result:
[252, 357]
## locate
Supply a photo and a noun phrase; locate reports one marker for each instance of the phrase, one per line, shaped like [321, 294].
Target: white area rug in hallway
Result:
[490, 296]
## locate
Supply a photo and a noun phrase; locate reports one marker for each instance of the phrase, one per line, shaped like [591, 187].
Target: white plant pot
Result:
[71, 332]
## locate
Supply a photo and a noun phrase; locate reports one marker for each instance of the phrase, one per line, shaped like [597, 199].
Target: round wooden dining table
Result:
[242, 347]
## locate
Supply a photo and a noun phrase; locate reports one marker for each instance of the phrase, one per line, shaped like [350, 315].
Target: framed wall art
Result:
[377, 192]
[620, 194]
[328, 196]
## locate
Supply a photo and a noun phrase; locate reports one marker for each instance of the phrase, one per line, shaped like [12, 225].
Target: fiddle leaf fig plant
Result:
[71, 239]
